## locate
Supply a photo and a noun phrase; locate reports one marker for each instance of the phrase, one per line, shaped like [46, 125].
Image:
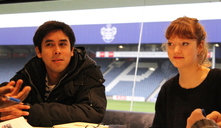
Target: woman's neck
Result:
[192, 77]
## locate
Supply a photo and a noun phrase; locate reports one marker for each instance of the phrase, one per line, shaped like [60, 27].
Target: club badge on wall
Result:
[108, 33]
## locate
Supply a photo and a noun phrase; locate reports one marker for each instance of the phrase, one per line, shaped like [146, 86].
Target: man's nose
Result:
[57, 50]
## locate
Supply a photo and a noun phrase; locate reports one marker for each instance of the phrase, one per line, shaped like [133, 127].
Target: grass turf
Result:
[125, 105]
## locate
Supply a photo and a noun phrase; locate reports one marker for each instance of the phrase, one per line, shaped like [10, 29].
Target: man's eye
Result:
[48, 44]
[185, 44]
[63, 44]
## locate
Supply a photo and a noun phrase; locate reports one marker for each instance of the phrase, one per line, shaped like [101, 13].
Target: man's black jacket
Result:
[78, 97]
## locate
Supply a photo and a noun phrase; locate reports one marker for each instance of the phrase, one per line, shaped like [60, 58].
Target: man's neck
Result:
[54, 78]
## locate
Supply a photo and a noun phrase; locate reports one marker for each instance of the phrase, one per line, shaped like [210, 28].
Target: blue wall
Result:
[127, 33]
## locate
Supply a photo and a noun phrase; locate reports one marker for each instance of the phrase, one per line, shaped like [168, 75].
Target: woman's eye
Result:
[169, 44]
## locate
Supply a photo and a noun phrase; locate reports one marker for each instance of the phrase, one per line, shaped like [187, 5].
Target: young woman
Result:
[196, 85]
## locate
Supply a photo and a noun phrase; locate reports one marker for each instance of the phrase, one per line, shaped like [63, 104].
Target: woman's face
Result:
[183, 52]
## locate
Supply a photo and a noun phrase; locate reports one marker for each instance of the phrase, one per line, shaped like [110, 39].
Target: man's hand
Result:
[196, 115]
[6, 89]
[14, 111]
[216, 116]
[11, 91]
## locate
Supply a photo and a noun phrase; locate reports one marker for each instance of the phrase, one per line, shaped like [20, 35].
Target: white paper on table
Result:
[19, 122]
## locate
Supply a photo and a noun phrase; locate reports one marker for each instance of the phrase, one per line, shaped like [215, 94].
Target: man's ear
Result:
[72, 51]
[38, 53]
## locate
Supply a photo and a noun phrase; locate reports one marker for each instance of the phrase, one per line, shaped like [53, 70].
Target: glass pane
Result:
[123, 37]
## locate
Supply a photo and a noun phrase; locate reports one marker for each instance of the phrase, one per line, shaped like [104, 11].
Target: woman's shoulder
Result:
[173, 81]
[214, 74]
[215, 71]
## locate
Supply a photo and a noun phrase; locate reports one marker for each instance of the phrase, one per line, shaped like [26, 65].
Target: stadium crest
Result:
[108, 33]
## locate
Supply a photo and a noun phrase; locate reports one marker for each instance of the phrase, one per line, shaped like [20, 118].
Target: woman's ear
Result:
[38, 53]
[200, 47]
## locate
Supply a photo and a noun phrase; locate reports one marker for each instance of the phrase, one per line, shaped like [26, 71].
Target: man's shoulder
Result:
[80, 49]
[94, 72]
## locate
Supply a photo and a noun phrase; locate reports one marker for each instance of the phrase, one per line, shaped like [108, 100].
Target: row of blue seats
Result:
[143, 88]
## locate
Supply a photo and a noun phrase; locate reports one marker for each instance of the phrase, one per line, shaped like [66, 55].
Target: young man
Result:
[67, 85]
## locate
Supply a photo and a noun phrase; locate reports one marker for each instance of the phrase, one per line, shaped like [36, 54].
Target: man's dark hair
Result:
[50, 26]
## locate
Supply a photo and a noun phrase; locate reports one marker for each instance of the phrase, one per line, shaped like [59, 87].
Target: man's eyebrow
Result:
[64, 40]
[61, 40]
[48, 41]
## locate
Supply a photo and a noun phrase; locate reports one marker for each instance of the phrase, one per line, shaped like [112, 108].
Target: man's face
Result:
[56, 52]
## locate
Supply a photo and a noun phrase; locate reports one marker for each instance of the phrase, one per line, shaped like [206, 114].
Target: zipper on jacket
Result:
[57, 84]
[30, 80]
[90, 100]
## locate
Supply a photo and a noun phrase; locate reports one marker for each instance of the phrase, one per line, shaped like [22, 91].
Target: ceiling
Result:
[24, 6]
[20, 1]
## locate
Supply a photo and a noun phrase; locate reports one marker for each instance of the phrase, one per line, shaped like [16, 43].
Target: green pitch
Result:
[125, 105]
